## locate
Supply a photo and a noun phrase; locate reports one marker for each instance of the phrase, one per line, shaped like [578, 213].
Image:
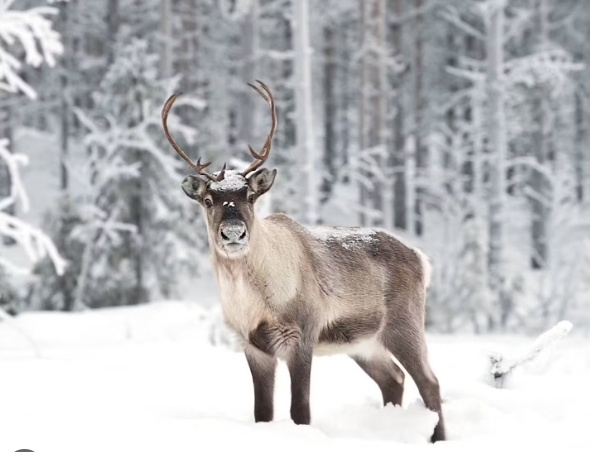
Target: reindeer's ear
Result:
[261, 181]
[195, 187]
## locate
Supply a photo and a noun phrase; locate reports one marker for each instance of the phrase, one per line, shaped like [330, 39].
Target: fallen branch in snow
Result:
[501, 367]
[10, 322]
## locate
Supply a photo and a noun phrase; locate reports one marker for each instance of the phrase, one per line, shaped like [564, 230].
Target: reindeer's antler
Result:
[260, 158]
[198, 167]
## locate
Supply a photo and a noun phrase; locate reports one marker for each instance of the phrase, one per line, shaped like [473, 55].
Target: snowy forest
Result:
[463, 126]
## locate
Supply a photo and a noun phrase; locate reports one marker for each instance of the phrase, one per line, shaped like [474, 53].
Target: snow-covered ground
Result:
[146, 379]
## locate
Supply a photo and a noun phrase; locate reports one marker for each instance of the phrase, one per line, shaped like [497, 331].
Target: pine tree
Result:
[130, 233]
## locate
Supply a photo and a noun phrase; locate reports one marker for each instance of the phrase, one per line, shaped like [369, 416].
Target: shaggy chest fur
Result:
[242, 304]
[249, 299]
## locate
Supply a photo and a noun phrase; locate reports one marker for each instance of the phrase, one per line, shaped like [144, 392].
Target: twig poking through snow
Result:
[501, 367]
[10, 321]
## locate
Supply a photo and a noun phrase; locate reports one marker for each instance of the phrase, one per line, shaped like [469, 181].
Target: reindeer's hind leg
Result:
[387, 374]
[404, 337]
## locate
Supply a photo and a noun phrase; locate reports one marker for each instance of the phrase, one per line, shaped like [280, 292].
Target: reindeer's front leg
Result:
[262, 367]
[299, 364]
[289, 342]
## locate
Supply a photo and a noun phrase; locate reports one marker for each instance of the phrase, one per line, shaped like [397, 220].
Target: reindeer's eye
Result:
[251, 199]
[208, 202]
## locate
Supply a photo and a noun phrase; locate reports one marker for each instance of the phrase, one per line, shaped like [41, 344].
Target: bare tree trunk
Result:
[582, 156]
[497, 138]
[363, 192]
[5, 181]
[248, 130]
[82, 279]
[167, 39]
[329, 113]
[65, 94]
[344, 97]
[410, 172]
[67, 12]
[416, 225]
[398, 152]
[288, 132]
[65, 136]
[379, 92]
[304, 110]
[582, 125]
[187, 58]
[113, 21]
[136, 211]
[372, 110]
[477, 110]
[541, 149]
[138, 295]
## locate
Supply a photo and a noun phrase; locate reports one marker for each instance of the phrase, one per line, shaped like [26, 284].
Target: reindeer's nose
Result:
[233, 233]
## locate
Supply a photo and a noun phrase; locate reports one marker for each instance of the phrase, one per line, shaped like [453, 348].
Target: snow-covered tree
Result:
[130, 229]
[490, 141]
[135, 211]
[32, 32]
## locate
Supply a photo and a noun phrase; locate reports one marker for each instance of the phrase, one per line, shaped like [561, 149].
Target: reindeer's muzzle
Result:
[233, 235]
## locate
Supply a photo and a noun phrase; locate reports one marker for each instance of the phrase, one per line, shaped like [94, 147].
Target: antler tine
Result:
[198, 167]
[259, 91]
[254, 154]
[221, 174]
[262, 156]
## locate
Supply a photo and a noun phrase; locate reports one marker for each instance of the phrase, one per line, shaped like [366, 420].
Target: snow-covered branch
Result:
[17, 191]
[33, 31]
[501, 366]
[550, 66]
[453, 17]
[7, 318]
[35, 243]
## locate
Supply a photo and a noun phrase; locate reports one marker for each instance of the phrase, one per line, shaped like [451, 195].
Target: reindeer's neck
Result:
[271, 263]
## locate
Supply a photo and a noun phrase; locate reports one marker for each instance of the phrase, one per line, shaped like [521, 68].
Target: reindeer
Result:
[289, 291]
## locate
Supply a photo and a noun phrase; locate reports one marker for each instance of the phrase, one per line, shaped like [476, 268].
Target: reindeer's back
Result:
[359, 267]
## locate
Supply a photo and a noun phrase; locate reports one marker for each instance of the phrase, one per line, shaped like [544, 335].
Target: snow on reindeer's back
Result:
[233, 181]
[348, 238]
[363, 239]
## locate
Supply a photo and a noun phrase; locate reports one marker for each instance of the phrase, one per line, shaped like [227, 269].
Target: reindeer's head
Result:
[227, 196]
